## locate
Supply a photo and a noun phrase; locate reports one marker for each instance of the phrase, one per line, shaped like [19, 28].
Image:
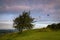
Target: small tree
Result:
[24, 21]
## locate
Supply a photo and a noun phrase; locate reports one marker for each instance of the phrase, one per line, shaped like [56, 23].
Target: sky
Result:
[44, 11]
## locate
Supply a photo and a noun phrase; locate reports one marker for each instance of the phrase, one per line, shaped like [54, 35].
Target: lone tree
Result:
[24, 21]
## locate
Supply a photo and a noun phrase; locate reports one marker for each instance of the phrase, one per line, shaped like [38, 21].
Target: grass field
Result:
[32, 35]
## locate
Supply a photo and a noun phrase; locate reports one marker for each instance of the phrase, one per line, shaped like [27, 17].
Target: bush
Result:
[45, 30]
[54, 26]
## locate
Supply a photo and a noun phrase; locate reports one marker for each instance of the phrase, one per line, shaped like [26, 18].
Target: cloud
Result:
[11, 8]
[51, 7]
[6, 26]
[18, 5]
[14, 8]
[6, 21]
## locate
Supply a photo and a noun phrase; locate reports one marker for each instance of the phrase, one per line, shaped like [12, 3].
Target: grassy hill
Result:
[32, 35]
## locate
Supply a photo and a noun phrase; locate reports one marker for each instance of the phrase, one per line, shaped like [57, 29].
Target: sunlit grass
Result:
[32, 35]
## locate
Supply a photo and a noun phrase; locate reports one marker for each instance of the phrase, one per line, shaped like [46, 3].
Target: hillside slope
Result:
[32, 35]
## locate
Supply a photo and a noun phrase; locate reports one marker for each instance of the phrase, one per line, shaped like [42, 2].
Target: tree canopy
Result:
[54, 26]
[24, 21]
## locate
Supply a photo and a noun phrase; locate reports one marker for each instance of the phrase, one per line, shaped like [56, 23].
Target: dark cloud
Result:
[57, 7]
[14, 6]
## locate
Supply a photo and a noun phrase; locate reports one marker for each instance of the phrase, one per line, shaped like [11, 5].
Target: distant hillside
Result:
[7, 31]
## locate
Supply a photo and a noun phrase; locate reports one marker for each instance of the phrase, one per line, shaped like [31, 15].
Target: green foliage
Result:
[24, 21]
[54, 26]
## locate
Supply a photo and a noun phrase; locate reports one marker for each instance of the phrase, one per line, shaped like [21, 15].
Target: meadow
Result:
[35, 34]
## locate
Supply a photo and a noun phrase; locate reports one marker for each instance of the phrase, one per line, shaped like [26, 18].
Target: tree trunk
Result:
[20, 30]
